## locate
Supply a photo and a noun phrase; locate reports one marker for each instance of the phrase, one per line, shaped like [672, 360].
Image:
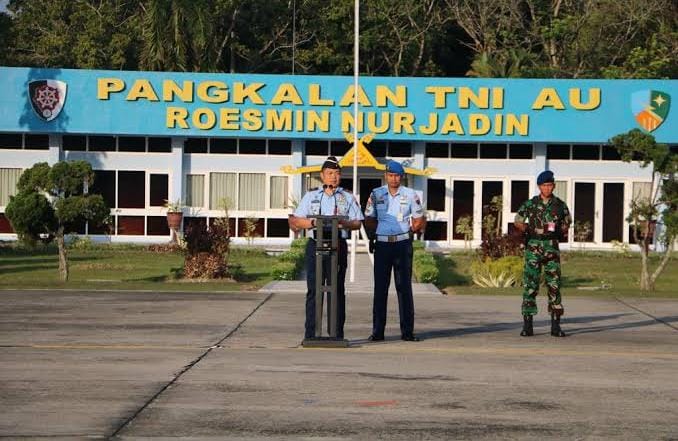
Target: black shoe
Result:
[555, 326]
[410, 337]
[375, 338]
[528, 329]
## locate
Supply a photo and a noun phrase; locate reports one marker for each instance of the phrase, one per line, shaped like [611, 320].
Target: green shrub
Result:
[289, 264]
[426, 272]
[299, 243]
[418, 245]
[424, 265]
[284, 271]
[497, 273]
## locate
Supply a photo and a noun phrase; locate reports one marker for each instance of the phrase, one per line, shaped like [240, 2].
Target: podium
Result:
[326, 256]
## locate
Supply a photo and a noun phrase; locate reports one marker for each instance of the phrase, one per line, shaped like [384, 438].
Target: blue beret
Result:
[544, 177]
[394, 167]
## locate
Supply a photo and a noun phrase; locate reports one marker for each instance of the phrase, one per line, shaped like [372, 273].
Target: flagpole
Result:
[356, 70]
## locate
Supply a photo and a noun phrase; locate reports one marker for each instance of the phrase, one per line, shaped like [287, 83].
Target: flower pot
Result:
[174, 220]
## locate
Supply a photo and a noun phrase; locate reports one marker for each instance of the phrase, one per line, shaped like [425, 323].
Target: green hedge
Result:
[424, 264]
[290, 262]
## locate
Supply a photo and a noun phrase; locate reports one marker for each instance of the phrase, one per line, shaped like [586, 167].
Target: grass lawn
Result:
[579, 270]
[121, 267]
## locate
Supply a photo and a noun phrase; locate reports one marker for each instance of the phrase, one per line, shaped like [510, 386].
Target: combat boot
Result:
[528, 329]
[555, 326]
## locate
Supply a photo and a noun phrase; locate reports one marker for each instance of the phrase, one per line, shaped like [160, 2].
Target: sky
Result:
[3, 5]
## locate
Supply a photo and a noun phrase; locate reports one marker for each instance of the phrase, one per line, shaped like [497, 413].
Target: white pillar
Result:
[55, 153]
[176, 190]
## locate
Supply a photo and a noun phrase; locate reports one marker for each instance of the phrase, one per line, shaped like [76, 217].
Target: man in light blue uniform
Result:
[329, 199]
[392, 215]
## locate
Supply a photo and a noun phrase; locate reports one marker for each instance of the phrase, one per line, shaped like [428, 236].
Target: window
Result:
[493, 151]
[377, 148]
[74, 142]
[279, 192]
[613, 211]
[610, 153]
[557, 151]
[195, 145]
[104, 184]
[102, 143]
[131, 189]
[462, 207]
[252, 146]
[159, 190]
[131, 144]
[520, 192]
[520, 151]
[465, 150]
[491, 190]
[36, 142]
[279, 147]
[339, 148]
[399, 149]
[586, 152]
[313, 181]
[11, 141]
[316, 148]
[436, 231]
[194, 222]
[224, 145]
[9, 178]
[131, 225]
[584, 211]
[258, 227]
[195, 191]
[5, 226]
[157, 226]
[560, 190]
[277, 228]
[222, 190]
[437, 150]
[435, 194]
[252, 191]
[642, 191]
[159, 145]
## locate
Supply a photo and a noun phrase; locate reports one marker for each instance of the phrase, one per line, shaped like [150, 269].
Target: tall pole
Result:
[356, 71]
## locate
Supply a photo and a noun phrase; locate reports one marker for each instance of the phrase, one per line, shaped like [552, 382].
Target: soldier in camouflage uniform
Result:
[544, 219]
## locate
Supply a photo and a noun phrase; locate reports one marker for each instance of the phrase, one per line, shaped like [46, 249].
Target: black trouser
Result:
[310, 285]
[396, 257]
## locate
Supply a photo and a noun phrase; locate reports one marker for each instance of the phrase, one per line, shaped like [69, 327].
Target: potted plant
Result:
[174, 217]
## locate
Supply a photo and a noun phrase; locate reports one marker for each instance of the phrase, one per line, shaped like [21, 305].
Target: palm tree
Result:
[177, 35]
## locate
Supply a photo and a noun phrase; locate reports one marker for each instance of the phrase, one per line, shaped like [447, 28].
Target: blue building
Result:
[249, 142]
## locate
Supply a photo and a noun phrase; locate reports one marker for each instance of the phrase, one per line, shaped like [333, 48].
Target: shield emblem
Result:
[650, 107]
[47, 97]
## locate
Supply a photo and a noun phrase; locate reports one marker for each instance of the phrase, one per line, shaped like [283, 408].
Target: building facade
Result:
[219, 142]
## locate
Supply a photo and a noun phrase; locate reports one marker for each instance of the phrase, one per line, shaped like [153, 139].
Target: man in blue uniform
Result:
[392, 215]
[329, 199]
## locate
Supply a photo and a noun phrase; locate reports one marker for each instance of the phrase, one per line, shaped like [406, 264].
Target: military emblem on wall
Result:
[650, 107]
[47, 97]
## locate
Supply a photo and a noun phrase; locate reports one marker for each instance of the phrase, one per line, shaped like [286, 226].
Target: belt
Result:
[393, 237]
[328, 237]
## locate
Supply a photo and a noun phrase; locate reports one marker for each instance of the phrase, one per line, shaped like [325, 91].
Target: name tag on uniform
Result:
[400, 217]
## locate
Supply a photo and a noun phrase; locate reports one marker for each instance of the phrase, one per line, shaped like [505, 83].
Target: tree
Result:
[91, 34]
[661, 206]
[178, 35]
[50, 201]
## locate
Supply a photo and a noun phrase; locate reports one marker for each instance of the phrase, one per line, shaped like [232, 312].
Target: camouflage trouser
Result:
[540, 253]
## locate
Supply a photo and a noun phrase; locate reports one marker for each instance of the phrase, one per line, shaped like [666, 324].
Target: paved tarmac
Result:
[140, 366]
